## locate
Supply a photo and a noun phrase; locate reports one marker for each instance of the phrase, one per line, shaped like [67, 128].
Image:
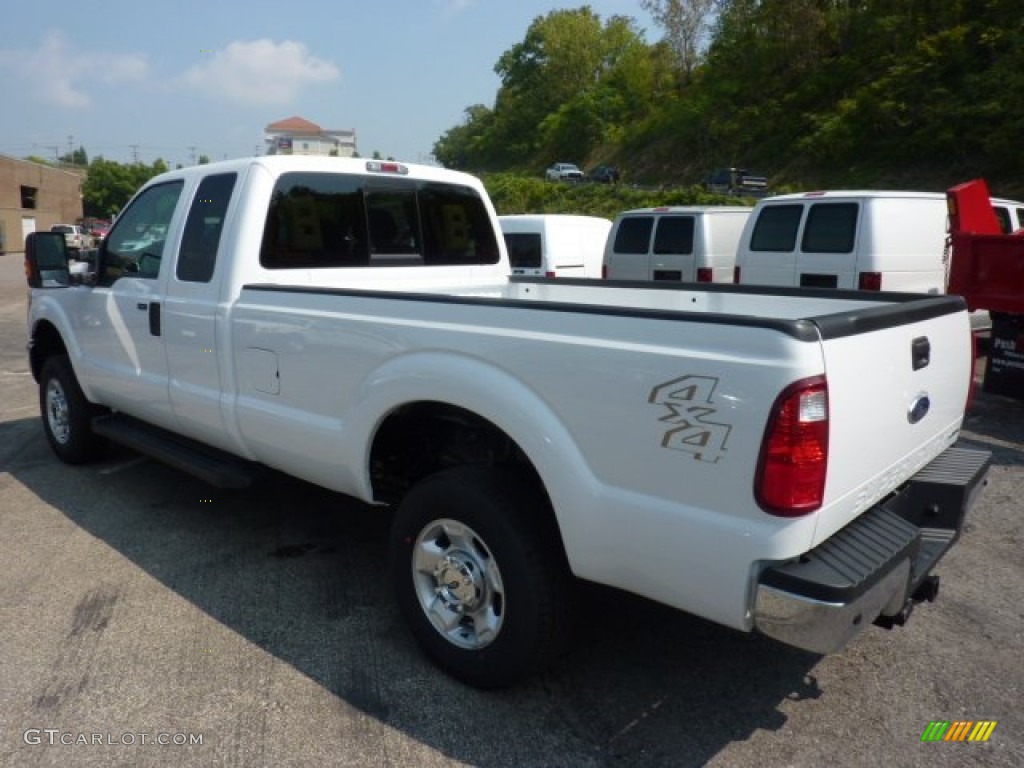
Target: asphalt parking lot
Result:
[148, 620]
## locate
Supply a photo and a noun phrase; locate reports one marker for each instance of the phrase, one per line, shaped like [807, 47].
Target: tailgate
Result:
[897, 385]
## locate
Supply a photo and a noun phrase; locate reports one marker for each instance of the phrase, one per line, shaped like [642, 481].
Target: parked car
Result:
[75, 236]
[98, 231]
[605, 174]
[564, 172]
[737, 182]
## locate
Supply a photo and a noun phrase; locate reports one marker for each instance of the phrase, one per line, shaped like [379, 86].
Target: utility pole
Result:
[71, 146]
[135, 152]
[192, 150]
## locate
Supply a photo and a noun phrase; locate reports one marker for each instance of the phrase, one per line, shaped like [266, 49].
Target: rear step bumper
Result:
[877, 567]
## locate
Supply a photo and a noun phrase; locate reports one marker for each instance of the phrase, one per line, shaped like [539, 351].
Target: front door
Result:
[120, 327]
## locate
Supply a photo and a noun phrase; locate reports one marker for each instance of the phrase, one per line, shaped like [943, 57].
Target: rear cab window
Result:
[349, 220]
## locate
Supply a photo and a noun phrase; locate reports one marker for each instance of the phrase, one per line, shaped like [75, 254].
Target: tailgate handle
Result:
[920, 353]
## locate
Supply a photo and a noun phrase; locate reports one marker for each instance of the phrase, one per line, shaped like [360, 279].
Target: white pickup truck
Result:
[767, 458]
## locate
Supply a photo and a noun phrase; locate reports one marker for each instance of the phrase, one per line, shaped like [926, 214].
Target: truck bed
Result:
[594, 382]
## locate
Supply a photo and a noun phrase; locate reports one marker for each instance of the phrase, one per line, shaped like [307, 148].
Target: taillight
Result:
[604, 271]
[736, 274]
[549, 274]
[705, 275]
[870, 281]
[793, 463]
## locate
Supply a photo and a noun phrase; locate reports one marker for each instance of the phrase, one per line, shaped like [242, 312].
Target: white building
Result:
[298, 136]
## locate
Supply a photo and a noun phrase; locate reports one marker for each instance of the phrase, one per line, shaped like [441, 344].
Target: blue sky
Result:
[180, 78]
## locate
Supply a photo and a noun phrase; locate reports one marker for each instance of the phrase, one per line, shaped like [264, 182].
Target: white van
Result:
[1010, 214]
[878, 241]
[555, 245]
[677, 243]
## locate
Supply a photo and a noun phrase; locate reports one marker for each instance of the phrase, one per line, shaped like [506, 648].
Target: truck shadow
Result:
[996, 423]
[301, 573]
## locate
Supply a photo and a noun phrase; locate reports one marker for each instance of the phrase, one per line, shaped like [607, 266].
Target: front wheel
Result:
[67, 414]
[478, 577]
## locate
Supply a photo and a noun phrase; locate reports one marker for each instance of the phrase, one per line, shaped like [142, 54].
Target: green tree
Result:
[109, 185]
[566, 89]
[686, 25]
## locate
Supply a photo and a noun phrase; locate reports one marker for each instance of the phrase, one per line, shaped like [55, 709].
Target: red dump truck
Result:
[987, 268]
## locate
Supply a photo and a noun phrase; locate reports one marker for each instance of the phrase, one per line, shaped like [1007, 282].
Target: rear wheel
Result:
[478, 577]
[67, 414]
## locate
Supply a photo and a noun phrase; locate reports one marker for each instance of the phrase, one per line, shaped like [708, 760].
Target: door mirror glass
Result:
[46, 260]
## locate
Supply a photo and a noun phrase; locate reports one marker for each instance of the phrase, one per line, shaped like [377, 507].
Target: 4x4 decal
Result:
[689, 405]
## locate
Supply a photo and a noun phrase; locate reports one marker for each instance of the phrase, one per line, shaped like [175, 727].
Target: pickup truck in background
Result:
[564, 172]
[75, 236]
[737, 182]
[769, 459]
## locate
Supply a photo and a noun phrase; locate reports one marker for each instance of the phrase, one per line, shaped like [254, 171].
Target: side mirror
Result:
[46, 260]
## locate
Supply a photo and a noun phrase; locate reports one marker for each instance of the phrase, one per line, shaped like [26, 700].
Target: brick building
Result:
[34, 197]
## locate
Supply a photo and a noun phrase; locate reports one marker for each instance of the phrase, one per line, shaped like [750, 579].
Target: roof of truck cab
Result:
[281, 164]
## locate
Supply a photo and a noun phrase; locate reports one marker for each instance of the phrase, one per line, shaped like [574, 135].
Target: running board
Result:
[218, 468]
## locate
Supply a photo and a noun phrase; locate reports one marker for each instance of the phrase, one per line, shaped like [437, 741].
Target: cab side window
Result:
[135, 245]
[198, 254]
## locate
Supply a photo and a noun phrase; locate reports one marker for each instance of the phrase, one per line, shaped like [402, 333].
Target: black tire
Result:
[67, 414]
[476, 548]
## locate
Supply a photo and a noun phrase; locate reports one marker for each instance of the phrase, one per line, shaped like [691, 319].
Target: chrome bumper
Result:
[876, 568]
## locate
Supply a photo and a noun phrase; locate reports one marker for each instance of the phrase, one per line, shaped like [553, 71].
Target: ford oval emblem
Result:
[918, 408]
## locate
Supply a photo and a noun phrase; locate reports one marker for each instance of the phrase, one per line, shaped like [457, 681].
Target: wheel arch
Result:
[457, 410]
[44, 342]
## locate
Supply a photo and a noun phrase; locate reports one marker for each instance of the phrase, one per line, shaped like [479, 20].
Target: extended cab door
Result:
[120, 326]
[190, 318]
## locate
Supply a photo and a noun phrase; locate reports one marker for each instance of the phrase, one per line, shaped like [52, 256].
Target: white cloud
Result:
[259, 72]
[452, 7]
[59, 73]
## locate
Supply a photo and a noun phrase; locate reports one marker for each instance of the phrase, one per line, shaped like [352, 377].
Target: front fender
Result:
[51, 331]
